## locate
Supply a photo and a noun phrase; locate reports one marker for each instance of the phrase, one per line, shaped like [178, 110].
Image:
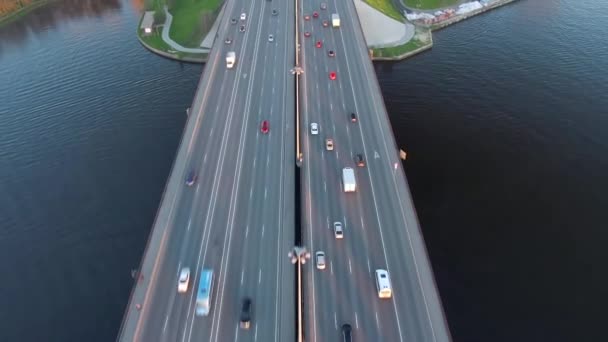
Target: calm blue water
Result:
[505, 122]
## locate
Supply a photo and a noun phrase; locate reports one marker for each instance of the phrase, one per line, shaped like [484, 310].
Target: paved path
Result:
[381, 30]
[174, 45]
[210, 38]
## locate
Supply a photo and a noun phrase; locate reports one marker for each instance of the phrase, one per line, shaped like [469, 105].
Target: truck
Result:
[335, 20]
[230, 59]
[348, 180]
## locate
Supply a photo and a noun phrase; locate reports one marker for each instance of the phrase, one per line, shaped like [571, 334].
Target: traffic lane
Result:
[269, 256]
[182, 224]
[389, 188]
[239, 108]
[389, 198]
[254, 227]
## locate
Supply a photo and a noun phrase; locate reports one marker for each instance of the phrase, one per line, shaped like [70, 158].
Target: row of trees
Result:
[9, 6]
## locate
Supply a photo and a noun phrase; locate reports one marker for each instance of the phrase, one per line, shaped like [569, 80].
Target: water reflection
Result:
[48, 17]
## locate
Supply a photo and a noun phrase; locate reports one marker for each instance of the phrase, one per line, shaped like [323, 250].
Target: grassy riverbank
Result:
[11, 10]
[430, 4]
[192, 20]
[421, 41]
[386, 7]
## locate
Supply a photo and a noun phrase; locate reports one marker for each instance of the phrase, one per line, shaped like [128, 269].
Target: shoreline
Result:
[22, 11]
[168, 55]
[438, 26]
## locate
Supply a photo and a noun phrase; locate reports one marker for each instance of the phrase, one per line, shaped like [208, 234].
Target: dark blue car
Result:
[191, 179]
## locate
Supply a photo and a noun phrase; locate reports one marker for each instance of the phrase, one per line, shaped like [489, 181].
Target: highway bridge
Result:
[257, 191]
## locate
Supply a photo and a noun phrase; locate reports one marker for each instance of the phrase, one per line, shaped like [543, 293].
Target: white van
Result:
[383, 284]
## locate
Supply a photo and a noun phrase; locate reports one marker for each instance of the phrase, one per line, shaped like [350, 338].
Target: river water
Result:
[505, 122]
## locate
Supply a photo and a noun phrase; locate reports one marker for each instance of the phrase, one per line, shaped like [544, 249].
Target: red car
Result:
[306, 34]
[332, 75]
[315, 14]
[265, 127]
[307, 17]
[319, 44]
[325, 23]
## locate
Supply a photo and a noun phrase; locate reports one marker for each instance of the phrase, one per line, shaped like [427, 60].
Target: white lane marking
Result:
[369, 268]
[265, 193]
[254, 160]
[260, 276]
[356, 320]
[324, 186]
[246, 231]
[327, 222]
[262, 230]
[377, 321]
[205, 158]
[255, 336]
[376, 155]
[272, 90]
[165, 325]
[331, 267]
[362, 224]
[236, 333]
[331, 106]
[250, 193]
[335, 320]
[337, 155]
[268, 161]
[350, 267]
[242, 276]
[189, 223]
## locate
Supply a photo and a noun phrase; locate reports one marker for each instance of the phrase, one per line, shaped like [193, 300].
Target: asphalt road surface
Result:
[238, 218]
[380, 224]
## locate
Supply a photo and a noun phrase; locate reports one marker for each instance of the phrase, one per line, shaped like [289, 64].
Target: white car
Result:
[270, 38]
[338, 230]
[314, 128]
[243, 16]
[184, 279]
[320, 258]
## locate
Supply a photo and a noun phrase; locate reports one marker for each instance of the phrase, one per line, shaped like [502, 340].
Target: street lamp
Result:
[299, 256]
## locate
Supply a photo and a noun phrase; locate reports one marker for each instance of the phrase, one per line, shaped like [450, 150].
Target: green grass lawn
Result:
[186, 28]
[156, 41]
[386, 7]
[430, 4]
[399, 50]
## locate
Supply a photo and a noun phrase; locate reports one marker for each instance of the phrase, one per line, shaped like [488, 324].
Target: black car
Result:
[275, 12]
[360, 160]
[246, 314]
[228, 41]
[331, 53]
[191, 178]
[353, 117]
[242, 28]
[233, 21]
[347, 332]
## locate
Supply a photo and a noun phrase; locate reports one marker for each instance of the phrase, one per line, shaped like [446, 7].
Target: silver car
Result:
[320, 258]
[270, 38]
[314, 128]
[338, 230]
[184, 279]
